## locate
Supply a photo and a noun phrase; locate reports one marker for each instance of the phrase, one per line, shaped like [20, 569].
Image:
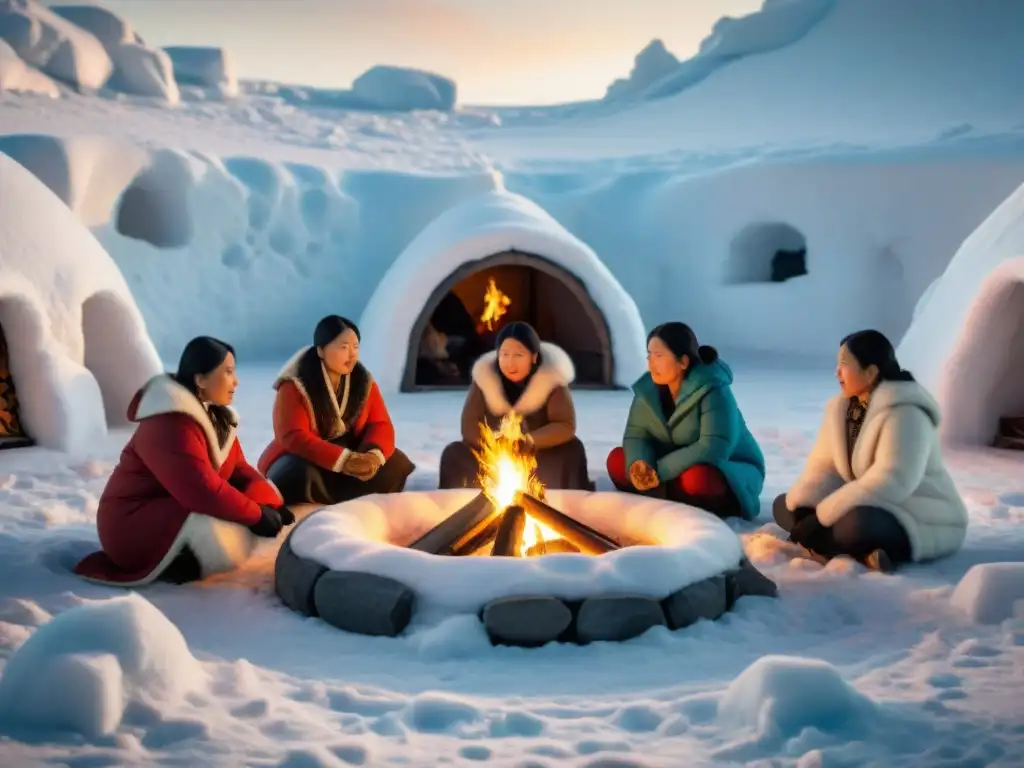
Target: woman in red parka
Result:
[333, 437]
[183, 503]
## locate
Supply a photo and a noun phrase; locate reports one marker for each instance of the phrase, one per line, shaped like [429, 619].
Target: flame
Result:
[496, 304]
[506, 472]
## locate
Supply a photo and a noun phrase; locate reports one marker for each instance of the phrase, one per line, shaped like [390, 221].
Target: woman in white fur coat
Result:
[875, 487]
[531, 378]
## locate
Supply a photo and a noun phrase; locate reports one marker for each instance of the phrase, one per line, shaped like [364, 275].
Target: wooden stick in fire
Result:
[510, 533]
[461, 526]
[589, 541]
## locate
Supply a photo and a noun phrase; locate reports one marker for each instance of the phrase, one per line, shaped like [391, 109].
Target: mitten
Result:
[269, 524]
[286, 515]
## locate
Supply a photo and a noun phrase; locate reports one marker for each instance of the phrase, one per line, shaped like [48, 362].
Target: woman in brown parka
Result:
[531, 378]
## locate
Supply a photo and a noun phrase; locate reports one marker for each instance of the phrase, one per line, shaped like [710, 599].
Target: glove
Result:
[269, 524]
[286, 515]
[807, 532]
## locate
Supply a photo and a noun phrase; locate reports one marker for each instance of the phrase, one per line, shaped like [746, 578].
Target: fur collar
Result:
[162, 394]
[354, 390]
[889, 396]
[556, 370]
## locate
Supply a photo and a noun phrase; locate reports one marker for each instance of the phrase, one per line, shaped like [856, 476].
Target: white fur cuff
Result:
[340, 463]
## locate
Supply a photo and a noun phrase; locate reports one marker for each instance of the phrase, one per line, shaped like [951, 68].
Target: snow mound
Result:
[722, 231]
[77, 342]
[53, 44]
[79, 671]
[688, 545]
[778, 24]
[482, 226]
[106, 26]
[143, 71]
[780, 696]
[206, 67]
[650, 65]
[991, 592]
[403, 89]
[18, 77]
[966, 343]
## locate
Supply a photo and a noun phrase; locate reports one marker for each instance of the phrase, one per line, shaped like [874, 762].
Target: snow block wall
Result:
[966, 343]
[700, 248]
[255, 251]
[77, 341]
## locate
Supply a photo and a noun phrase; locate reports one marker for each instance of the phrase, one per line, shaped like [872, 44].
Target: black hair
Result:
[310, 370]
[201, 357]
[525, 334]
[871, 347]
[681, 340]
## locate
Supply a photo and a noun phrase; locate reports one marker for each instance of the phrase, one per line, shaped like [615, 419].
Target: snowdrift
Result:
[485, 225]
[87, 47]
[80, 671]
[966, 343]
[876, 234]
[207, 67]
[779, 23]
[77, 342]
[18, 77]
[824, 73]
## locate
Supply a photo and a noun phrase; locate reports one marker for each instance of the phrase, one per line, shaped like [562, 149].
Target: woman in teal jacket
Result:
[685, 438]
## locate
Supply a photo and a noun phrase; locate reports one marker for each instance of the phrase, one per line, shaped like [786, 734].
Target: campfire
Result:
[510, 517]
[496, 305]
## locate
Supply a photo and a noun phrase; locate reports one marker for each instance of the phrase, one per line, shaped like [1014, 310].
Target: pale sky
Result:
[526, 52]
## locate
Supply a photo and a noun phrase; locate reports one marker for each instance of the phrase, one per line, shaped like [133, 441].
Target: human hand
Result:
[362, 466]
[643, 476]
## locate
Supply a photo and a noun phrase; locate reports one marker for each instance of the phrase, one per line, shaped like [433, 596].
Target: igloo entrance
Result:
[12, 433]
[766, 252]
[464, 314]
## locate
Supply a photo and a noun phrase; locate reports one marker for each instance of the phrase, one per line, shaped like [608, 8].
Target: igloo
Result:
[966, 343]
[77, 345]
[548, 277]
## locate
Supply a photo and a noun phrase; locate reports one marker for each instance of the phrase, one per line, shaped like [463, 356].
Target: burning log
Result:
[589, 541]
[484, 537]
[510, 533]
[556, 547]
[459, 528]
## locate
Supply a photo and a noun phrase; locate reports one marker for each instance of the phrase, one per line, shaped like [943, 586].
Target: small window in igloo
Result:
[154, 209]
[768, 252]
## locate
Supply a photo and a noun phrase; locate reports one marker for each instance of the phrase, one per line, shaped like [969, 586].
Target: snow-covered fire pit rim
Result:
[369, 535]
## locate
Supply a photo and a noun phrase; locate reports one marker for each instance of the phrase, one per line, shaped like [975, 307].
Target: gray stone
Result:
[295, 578]
[703, 600]
[617, 617]
[526, 621]
[363, 603]
[748, 581]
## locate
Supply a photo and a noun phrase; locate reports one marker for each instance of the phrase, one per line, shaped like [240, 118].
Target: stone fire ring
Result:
[348, 565]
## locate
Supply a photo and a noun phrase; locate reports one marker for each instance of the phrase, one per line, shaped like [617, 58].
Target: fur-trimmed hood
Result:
[162, 395]
[354, 393]
[556, 370]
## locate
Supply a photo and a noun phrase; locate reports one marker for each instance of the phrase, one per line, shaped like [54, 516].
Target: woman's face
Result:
[664, 366]
[854, 381]
[515, 361]
[342, 354]
[219, 385]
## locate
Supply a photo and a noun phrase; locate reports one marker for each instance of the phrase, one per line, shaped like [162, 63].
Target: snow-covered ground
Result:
[882, 134]
[926, 684]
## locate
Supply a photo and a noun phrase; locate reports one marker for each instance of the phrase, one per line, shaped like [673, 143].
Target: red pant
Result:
[701, 485]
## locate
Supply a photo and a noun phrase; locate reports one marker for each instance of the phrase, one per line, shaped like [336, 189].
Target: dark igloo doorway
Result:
[452, 331]
[12, 433]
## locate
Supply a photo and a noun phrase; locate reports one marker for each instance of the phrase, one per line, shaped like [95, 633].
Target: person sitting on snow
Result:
[333, 437]
[182, 502]
[685, 437]
[532, 379]
[875, 487]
